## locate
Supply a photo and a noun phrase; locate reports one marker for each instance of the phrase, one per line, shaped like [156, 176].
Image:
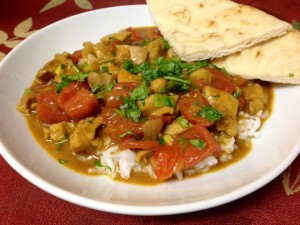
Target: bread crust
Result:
[201, 29]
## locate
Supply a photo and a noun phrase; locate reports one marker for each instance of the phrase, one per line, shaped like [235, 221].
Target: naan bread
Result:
[276, 60]
[203, 29]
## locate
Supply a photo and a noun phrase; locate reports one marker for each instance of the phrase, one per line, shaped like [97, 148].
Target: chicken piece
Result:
[138, 54]
[88, 48]
[50, 69]
[227, 105]
[222, 101]
[135, 53]
[102, 52]
[110, 67]
[170, 54]
[155, 49]
[152, 128]
[122, 35]
[96, 79]
[59, 132]
[178, 126]
[201, 74]
[158, 84]
[125, 76]
[256, 98]
[228, 125]
[149, 106]
[84, 134]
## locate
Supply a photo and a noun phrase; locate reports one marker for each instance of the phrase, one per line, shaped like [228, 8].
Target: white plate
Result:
[271, 154]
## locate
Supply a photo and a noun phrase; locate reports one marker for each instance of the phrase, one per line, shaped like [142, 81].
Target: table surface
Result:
[23, 203]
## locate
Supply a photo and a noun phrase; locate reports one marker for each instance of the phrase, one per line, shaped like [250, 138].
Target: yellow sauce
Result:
[62, 153]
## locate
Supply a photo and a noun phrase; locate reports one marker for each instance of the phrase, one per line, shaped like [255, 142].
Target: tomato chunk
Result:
[193, 155]
[119, 128]
[166, 161]
[135, 35]
[113, 44]
[190, 104]
[138, 144]
[120, 91]
[69, 91]
[76, 56]
[221, 81]
[82, 104]
[48, 110]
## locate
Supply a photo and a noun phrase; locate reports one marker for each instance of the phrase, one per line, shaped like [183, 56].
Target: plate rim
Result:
[134, 209]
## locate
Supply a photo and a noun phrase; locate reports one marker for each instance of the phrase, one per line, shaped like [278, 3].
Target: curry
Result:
[127, 106]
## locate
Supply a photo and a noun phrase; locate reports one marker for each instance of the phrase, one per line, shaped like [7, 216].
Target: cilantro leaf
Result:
[127, 133]
[100, 91]
[141, 92]
[166, 44]
[130, 109]
[209, 113]
[161, 100]
[222, 69]
[62, 161]
[97, 163]
[66, 80]
[296, 24]
[200, 144]
[145, 42]
[191, 67]
[183, 122]
[168, 67]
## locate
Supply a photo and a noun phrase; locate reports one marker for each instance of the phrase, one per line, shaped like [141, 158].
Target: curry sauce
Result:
[130, 90]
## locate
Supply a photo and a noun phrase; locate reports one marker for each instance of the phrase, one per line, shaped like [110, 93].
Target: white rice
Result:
[229, 146]
[202, 166]
[124, 162]
[114, 161]
[248, 125]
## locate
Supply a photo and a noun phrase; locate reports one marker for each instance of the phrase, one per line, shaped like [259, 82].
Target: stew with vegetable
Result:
[128, 107]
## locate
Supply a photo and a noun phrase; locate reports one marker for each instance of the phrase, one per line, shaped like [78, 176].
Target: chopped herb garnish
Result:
[296, 24]
[161, 140]
[163, 100]
[105, 69]
[27, 91]
[222, 69]
[141, 92]
[59, 146]
[181, 80]
[166, 44]
[209, 113]
[100, 91]
[145, 42]
[182, 142]
[84, 65]
[99, 164]
[66, 80]
[215, 96]
[200, 144]
[127, 133]
[62, 161]
[191, 67]
[75, 68]
[183, 122]
[237, 94]
[130, 109]
[67, 136]
[291, 75]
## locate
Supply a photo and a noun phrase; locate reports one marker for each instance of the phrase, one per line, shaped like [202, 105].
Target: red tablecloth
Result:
[23, 203]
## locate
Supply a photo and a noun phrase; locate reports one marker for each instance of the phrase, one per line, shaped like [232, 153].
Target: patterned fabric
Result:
[22, 203]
